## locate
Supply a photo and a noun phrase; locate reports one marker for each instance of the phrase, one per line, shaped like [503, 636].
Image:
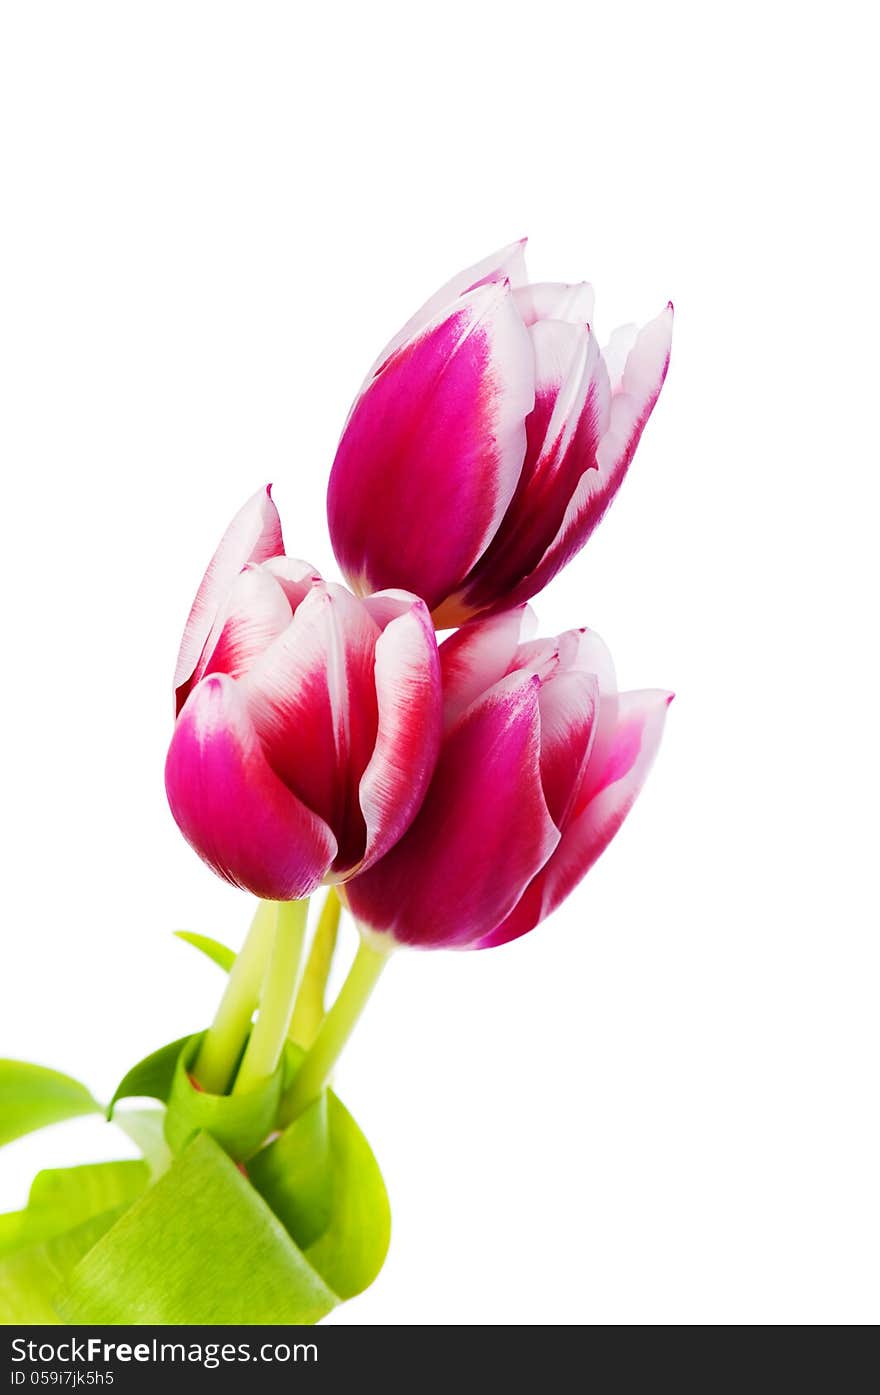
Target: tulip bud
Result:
[309, 720]
[540, 762]
[488, 440]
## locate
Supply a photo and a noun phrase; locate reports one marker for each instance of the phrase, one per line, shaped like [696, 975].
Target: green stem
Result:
[308, 1012]
[276, 999]
[222, 1043]
[334, 1031]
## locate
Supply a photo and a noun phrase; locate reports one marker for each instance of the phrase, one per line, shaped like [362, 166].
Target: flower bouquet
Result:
[448, 795]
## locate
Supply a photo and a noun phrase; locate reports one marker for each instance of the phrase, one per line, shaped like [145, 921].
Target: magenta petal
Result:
[506, 265]
[258, 606]
[432, 452]
[482, 833]
[631, 406]
[594, 657]
[312, 698]
[634, 398]
[609, 791]
[252, 536]
[563, 434]
[568, 703]
[407, 676]
[478, 655]
[232, 808]
[255, 612]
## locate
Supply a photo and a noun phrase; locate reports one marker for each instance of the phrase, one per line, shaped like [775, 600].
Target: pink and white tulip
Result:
[488, 440]
[540, 763]
[309, 720]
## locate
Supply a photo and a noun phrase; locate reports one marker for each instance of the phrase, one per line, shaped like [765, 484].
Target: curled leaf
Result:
[239, 1123]
[152, 1077]
[200, 1247]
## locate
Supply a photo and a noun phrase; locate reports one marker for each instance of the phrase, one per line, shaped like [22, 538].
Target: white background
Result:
[662, 1106]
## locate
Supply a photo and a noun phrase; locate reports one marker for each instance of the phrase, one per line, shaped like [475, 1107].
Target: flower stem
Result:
[308, 1012]
[335, 1030]
[280, 983]
[222, 1043]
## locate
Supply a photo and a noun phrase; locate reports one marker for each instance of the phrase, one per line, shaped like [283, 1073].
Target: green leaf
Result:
[239, 1123]
[78, 1193]
[30, 1278]
[352, 1249]
[295, 1174]
[152, 1077]
[200, 1247]
[33, 1096]
[321, 1178]
[146, 1129]
[219, 954]
[63, 1197]
[68, 1210]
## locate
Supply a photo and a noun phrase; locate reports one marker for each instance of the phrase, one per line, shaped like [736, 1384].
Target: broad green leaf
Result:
[85, 1190]
[220, 954]
[10, 1228]
[200, 1247]
[63, 1197]
[239, 1123]
[74, 1194]
[150, 1078]
[68, 1210]
[31, 1277]
[33, 1096]
[146, 1129]
[321, 1178]
[295, 1174]
[352, 1249]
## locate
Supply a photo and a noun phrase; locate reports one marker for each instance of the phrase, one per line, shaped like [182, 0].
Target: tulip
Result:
[540, 763]
[309, 720]
[488, 440]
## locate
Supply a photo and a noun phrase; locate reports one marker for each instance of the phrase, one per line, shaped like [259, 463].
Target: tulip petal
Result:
[258, 606]
[617, 351]
[232, 808]
[254, 613]
[571, 414]
[643, 376]
[295, 577]
[594, 657]
[506, 265]
[252, 536]
[631, 406]
[592, 654]
[539, 656]
[432, 452]
[609, 792]
[481, 835]
[550, 300]
[408, 696]
[475, 657]
[568, 702]
[312, 698]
